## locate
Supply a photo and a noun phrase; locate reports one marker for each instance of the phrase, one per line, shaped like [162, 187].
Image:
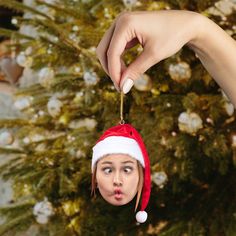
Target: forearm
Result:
[217, 52]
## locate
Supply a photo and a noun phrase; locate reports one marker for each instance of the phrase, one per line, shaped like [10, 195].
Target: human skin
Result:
[117, 178]
[162, 34]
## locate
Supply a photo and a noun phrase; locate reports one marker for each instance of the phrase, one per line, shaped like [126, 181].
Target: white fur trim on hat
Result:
[115, 145]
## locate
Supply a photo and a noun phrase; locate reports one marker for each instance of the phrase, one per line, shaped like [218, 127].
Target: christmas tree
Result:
[66, 101]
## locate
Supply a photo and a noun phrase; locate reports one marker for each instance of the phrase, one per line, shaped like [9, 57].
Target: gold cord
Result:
[122, 121]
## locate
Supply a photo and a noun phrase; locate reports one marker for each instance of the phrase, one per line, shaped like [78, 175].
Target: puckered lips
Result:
[118, 194]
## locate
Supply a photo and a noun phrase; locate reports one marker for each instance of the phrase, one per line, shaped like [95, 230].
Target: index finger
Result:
[117, 46]
[102, 47]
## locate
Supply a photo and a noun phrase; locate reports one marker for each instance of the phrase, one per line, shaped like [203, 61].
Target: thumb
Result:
[141, 64]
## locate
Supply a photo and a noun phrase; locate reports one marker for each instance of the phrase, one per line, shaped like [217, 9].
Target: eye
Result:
[128, 169]
[107, 170]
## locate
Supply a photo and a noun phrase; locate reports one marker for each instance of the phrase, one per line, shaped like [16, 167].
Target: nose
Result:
[117, 181]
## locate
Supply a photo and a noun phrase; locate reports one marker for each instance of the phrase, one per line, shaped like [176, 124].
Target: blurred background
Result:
[55, 101]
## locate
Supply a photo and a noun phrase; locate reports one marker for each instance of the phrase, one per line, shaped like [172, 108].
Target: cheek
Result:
[132, 184]
[102, 182]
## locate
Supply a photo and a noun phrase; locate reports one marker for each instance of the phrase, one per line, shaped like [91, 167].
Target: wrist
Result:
[202, 28]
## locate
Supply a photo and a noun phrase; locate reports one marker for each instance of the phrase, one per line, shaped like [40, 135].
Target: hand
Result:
[161, 34]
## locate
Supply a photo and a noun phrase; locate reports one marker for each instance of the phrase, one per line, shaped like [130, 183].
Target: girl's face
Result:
[117, 178]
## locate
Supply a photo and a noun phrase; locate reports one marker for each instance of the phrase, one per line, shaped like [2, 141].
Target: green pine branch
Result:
[62, 10]
[14, 34]
[15, 222]
[20, 7]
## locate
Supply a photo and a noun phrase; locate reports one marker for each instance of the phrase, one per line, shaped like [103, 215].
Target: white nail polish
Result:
[127, 85]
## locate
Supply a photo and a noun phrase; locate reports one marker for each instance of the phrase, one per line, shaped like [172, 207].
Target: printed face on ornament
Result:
[117, 178]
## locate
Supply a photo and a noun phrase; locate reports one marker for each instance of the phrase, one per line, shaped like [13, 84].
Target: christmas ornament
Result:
[11, 69]
[45, 76]
[90, 78]
[189, 122]
[23, 60]
[43, 210]
[23, 103]
[54, 106]
[75, 28]
[159, 178]
[14, 21]
[45, 10]
[143, 83]
[180, 71]
[6, 138]
[124, 139]
[88, 123]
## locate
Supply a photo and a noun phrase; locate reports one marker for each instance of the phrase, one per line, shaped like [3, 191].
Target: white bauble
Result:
[189, 122]
[180, 71]
[45, 76]
[41, 219]
[90, 78]
[54, 106]
[159, 178]
[184, 118]
[6, 138]
[23, 60]
[42, 211]
[23, 103]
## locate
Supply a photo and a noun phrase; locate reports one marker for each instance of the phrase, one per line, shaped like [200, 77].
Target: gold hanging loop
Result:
[122, 121]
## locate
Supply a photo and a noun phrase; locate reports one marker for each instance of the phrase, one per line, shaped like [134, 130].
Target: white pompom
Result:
[141, 216]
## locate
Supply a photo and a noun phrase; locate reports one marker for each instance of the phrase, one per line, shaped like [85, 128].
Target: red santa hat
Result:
[125, 139]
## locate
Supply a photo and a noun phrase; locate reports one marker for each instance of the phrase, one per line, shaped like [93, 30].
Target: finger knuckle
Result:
[109, 52]
[125, 18]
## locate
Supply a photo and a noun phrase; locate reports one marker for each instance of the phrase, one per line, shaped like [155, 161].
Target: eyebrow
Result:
[109, 162]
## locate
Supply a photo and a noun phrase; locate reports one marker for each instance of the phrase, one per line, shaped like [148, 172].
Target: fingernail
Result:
[127, 85]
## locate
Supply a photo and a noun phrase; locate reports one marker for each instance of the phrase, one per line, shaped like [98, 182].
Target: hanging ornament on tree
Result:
[45, 76]
[90, 78]
[6, 138]
[23, 103]
[143, 83]
[160, 178]
[23, 60]
[87, 123]
[180, 71]
[45, 10]
[189, 122]
[42, 211]
[54, 106]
